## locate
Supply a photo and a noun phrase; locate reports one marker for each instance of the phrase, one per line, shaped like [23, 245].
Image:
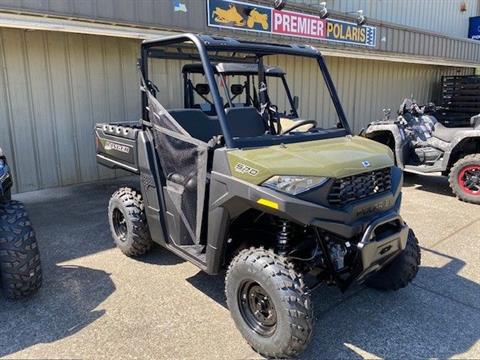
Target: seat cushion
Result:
[446, 134]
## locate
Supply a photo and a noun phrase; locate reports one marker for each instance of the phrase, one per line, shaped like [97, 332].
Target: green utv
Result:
[225, 186]
[20, 268]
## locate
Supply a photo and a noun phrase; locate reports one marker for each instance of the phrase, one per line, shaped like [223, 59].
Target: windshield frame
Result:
[203, 44]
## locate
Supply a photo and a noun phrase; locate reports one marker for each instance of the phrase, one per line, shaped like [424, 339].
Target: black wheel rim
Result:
[257, 308]
[119, 225]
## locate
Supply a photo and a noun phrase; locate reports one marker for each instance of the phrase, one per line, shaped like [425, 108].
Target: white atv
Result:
[422, 144]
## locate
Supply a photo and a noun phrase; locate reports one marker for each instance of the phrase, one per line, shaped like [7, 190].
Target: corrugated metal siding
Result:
[54, 87]
[441, 16]
[393, 39]
[365, 87]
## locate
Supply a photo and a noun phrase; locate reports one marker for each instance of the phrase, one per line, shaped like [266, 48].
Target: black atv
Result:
[422, 144]
[20, 270]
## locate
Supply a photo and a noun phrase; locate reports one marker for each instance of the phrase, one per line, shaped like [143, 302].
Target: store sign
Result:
[234, 14]
[474, 29]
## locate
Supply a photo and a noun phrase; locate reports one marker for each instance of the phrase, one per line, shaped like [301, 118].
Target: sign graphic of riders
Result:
[226, 13]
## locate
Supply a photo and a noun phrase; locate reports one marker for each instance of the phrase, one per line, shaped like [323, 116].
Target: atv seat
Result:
[447, 134]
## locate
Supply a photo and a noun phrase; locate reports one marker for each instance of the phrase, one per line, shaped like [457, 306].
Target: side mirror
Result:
[387, 113]
[296, 102]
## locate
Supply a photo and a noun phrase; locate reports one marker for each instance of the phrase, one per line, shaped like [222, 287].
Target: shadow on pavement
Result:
[429, 183]
[71, 222]
[437, 316]
[160, 256]
[64, 305]
[211, 285]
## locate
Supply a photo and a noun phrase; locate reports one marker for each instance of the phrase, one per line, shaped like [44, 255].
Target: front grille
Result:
[357, 187]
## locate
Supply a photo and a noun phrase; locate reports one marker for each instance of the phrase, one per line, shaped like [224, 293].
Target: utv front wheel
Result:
[401, 271]
[128, 223]
[465, 178]
[269, 303]
[20, 268]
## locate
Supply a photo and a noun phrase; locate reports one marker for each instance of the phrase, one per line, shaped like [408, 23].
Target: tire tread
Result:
[20, 266]
[296, 302]
[453, 178]
[401, 271]
[132, 201]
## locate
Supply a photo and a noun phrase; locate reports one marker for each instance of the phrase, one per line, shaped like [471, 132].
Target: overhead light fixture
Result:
[323, 10]
[361, 20]
[279, 4]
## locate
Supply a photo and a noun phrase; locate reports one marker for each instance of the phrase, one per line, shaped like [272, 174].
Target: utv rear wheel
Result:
[20, 268]
[128, 223]
[269, 303]
[401, 271]
[465, 178]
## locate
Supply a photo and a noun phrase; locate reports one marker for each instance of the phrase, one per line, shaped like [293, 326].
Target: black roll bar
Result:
[204, 43]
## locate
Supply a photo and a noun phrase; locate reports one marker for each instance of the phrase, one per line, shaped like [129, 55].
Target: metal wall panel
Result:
[442, 16]
[395, 37]
[55, 86]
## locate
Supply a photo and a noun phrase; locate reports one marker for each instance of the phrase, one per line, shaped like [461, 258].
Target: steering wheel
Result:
[300, 123]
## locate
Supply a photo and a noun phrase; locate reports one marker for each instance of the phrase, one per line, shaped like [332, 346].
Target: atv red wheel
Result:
[464, 178]
[469, 179]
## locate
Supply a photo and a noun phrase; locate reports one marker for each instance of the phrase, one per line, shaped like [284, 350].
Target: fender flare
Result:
[457, 140]
[393, 129]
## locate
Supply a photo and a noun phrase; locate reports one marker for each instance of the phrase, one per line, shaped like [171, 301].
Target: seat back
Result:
[245, 122]
[242, 122]
[197, 123]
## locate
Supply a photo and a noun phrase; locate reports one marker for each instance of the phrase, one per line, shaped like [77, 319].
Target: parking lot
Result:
[95, 302]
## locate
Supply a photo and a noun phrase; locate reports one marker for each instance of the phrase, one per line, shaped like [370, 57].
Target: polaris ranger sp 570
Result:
[227, 188]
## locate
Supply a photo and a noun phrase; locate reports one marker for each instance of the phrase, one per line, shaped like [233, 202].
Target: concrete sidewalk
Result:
[97, 303]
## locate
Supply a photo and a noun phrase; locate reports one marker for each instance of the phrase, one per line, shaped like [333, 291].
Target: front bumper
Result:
[384, 239]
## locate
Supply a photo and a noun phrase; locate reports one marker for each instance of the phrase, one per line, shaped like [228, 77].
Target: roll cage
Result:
[208, 49]
[226, 69]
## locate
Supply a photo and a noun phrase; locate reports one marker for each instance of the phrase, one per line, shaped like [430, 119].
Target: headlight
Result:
[294, 185]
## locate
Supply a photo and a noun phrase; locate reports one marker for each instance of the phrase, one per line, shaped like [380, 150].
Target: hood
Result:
[333, 158]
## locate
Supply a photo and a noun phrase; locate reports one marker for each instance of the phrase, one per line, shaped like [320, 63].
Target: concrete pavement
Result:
[97, 303]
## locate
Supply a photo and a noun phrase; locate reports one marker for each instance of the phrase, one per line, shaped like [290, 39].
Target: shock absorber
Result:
[283, 237]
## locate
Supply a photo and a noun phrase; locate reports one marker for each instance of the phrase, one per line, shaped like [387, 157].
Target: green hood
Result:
[333, 158]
